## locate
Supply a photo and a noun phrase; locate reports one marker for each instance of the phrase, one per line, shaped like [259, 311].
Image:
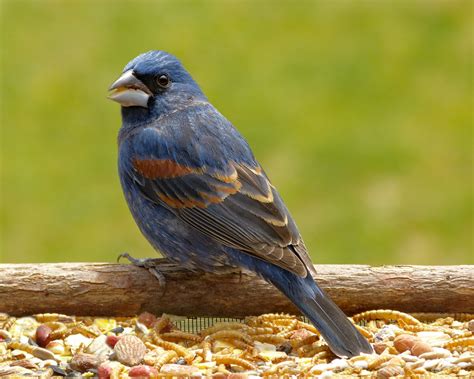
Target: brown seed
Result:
[143, 371]
[26, 363]
[404, 342]
[4, 335]
[379, 347]
[41, 353]
[11, 372]
[147, 319]
[82, 362]
[470, 326]
[43, 334]
[420, 347]
[130, 350]
[390, 371]
[237, 376]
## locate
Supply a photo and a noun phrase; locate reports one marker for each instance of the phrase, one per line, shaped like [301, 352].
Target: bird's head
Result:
[153, 83]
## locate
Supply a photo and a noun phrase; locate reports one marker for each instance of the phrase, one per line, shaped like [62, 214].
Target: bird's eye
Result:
[163, 81]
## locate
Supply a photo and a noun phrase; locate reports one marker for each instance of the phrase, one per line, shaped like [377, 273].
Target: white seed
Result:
[74, 341]
[339, 364]
[435, 339]
[437, 352]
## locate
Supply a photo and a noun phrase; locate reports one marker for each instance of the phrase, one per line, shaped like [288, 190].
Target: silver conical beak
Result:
[129, 91]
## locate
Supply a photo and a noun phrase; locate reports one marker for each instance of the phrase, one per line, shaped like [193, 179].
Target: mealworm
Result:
[367, 334]
[240, 344]
[285, 321]
[258, 330]
[231, 360]
[433, 328]
[234, 334]
[269, 338]
[312, 349]
[297, 343]
[429, 317]
[289, 327]
[459, 342]
[38, 352]
[310, 327]
[318, 356]
[180, 350]
[85, 330]
[217, 327]
[179, 335]
[9, 323]
[385, 315]
[50, 317]
[165, 358]
[161, 323]
[379, 360]
[58, 329]
[207, 349]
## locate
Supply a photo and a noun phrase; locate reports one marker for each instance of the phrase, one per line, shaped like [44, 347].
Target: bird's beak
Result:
[128, 91]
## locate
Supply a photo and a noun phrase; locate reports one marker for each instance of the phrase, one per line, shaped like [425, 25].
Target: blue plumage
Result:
[200, 197]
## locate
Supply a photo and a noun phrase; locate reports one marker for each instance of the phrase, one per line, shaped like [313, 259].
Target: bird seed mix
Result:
[267, 346]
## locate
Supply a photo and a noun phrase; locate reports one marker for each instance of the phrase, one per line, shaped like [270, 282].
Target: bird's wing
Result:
[234, 203]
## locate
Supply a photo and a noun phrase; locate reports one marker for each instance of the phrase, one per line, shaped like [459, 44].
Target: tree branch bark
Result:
[114, 289]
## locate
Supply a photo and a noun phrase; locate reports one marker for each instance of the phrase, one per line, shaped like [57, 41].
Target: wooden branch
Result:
[114, 289]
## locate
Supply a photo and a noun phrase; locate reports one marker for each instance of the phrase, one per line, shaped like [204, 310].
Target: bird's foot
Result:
[149, 263]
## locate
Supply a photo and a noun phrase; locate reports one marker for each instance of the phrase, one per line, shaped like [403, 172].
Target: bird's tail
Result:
[339, 333]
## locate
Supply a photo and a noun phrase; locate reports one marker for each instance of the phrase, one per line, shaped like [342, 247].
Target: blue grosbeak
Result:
[200, 197]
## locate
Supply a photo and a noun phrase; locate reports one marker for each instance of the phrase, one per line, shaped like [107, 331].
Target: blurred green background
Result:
[360, 112]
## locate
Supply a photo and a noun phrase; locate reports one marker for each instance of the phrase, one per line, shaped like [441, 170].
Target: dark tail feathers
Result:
[339, 333]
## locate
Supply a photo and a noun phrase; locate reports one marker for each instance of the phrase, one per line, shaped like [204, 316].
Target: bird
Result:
[200, 197]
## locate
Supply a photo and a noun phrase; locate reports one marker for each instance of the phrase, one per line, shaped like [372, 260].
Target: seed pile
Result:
[268, 346]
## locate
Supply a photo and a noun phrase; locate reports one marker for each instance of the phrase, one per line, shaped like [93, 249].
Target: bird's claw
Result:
[149, 263]
[140, 262]
[158, 275]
